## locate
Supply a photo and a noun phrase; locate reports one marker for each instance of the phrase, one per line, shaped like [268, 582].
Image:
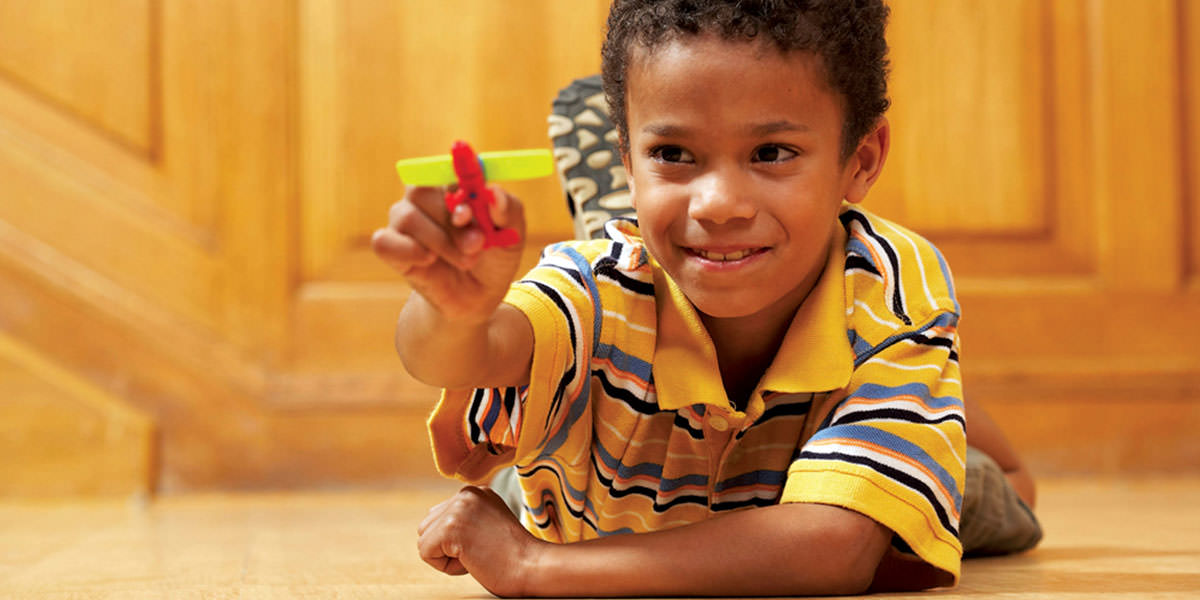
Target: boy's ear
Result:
[865, 165]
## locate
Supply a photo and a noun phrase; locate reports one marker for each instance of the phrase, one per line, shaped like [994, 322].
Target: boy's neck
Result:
[745, 348]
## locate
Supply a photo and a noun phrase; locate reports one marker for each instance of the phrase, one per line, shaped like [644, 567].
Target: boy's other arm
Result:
[983, 433]
[454, 331]
[785, 549]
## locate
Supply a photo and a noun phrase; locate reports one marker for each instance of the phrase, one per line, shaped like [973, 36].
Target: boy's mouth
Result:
[725, 256]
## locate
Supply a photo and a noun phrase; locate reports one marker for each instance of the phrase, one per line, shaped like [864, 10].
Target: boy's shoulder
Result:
[901, 278]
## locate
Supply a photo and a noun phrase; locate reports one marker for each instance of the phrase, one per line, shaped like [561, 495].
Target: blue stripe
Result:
[769, 477]
[525, 471]
[651, 469]
[626, 363]
[855, 246]
[875, 391]
[860, 345]
[585, 270]
[942, 320]
[946, 275]
[490, 419]
[897, 443]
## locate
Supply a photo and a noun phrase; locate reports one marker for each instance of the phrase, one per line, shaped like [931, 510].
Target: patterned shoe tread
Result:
[587, 157]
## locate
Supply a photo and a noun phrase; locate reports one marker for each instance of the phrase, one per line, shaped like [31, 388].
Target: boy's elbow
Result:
[853, 549]
[854, 579]
[852, 574]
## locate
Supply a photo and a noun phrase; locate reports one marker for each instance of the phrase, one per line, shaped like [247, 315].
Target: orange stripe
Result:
[934, 525]
[889, 452]
[875, 257]
[858, 400]
[623, 375]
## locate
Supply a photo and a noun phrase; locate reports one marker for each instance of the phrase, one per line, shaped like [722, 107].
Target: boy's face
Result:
[735, 171]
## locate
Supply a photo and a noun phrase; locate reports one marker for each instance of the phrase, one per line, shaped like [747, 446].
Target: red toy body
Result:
[472, 189]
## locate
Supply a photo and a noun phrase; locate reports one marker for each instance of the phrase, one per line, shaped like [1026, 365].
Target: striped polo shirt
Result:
[625, 425]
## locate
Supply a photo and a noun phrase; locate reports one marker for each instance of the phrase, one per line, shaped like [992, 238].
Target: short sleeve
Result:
[476, 432]
[894, 447]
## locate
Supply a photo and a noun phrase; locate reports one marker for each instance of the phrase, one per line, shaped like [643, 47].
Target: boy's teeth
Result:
[740, 254]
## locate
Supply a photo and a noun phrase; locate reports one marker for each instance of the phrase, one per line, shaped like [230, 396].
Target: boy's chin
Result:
[726, 308]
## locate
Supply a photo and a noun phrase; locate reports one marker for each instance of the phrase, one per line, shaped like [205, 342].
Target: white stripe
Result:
[919, 473]
[873, 316]
[893, 286]
[852, 407]
[634, 326]
[888, 363]
[920, 263]
[623, 380]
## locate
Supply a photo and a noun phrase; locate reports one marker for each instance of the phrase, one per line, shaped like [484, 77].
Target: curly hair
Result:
[848, 35]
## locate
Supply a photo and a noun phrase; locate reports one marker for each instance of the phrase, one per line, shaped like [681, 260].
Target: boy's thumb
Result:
[507, 211]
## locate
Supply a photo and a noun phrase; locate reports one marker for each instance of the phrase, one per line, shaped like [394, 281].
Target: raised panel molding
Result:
[994, 164]
[380, 81]
[63, 436]
[55, 199]
[958, 69]
[95, 61]
[218, 426]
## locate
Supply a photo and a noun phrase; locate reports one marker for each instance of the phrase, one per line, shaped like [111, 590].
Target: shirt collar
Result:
[815, 355]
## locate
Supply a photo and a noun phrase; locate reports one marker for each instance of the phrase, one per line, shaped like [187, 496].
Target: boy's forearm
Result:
[456, 354]
[788, 549]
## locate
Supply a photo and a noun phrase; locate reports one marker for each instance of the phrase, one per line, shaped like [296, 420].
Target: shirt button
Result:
[718, 423]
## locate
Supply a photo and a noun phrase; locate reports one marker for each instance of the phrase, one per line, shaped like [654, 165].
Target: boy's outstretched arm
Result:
[784, 550]
[454, 332]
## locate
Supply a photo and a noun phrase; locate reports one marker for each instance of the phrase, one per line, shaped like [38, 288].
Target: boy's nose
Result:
[722, 195]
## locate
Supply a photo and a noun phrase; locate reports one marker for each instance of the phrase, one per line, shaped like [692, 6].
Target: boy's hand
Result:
[474, 532]
[442, 256]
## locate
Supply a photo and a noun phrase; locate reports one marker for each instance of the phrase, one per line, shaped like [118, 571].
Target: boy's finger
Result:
[506, 211]
[428, 232]
[454, 567]
[432, 515]
[428, 200]
[499, 208]
[400, 251]
[436, 551]
[461, 217]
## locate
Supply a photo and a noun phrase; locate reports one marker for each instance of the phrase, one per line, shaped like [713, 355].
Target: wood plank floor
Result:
[1112, 539]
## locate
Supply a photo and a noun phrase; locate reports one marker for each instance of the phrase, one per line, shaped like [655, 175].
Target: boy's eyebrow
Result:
[760, 129]
[664, 129]
[777, 126]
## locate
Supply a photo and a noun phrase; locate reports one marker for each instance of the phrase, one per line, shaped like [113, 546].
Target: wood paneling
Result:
[92, 60]
[381, 81]
[63, 436]
[955, 74]
[187, 190]
[1188, 33]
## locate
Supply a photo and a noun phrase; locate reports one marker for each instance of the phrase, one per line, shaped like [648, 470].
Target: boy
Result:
[751, 390]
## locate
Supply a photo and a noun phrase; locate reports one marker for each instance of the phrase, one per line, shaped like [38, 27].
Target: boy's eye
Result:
[671, 154]
[773, 153]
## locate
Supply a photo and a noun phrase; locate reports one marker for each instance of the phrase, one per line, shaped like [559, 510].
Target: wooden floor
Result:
[1110, 539]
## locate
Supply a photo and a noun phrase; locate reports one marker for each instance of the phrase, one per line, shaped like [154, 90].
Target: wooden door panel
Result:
[382, 81]
[91, 60]
[188, 188]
